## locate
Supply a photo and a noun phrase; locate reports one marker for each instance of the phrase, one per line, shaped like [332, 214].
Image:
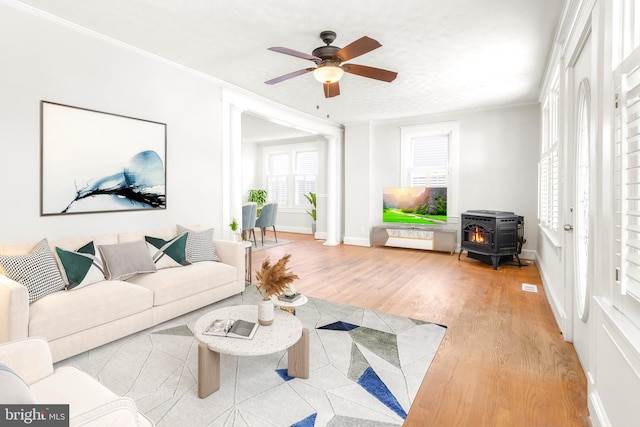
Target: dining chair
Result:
[266, 219]
[249, 211]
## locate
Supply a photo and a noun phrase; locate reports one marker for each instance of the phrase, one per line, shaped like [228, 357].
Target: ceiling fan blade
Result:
[359, 47]
[370, 72]
[295, 53]
[331, 89]
[288, 76]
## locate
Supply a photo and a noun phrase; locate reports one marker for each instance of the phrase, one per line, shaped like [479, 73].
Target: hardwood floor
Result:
[503, 361]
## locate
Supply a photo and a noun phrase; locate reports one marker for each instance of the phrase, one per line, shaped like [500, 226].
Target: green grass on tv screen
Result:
[396, 215]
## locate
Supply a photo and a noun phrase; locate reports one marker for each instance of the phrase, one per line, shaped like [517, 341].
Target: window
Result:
[548, 168]
[429, 159]
[277, 173]
[626, 137]
[306, 168]
[291, 172]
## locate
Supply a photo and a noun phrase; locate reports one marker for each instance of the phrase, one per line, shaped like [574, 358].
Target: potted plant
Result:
[311, 198]
[234, 227]
[259, 197]
[272, 280]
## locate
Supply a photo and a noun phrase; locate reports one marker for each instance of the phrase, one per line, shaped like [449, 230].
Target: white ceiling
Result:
[450, 55]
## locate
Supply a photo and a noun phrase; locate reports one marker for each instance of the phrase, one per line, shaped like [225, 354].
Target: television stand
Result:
[415, 237]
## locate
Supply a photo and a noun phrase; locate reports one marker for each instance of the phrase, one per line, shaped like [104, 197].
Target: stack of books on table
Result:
[289, 298]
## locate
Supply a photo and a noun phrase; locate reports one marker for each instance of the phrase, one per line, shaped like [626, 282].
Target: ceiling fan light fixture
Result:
[328, 73]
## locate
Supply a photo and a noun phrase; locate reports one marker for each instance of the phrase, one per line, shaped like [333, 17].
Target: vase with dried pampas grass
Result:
[272, 279]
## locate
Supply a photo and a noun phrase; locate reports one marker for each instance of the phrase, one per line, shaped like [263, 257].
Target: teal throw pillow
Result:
[168, 253]
[81, 267]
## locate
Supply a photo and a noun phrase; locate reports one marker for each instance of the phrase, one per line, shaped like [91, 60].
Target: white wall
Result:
[42, 60]
[497, 165]
[358, 179]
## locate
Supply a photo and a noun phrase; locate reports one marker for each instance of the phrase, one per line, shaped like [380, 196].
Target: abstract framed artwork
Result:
[92, 161]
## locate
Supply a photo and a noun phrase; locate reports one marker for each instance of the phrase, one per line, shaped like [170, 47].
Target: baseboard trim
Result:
[357, 241]
[289, 229]
[597, 414]
[556, 307]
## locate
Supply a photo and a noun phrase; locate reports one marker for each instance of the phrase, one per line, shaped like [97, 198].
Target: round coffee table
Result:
[286, 332]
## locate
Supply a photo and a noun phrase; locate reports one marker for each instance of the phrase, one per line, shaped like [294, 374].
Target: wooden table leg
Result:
[208, 371]
[298, 356]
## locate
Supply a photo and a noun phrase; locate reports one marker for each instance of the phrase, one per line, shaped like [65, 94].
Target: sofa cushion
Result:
[72, 386]
[168, 253]
[65, 313]
[36, 270]
[200, 245]
[172, 284]
[81, 267]
[124, 260]
[13, 389]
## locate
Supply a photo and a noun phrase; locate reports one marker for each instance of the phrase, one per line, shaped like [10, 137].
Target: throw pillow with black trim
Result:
[37, 271]
[200, 245]
[168, 253]
[81, 267]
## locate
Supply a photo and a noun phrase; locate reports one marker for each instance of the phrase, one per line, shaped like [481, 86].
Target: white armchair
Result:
[90, 403]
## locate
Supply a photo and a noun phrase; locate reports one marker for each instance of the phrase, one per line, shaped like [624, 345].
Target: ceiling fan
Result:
[330, 63]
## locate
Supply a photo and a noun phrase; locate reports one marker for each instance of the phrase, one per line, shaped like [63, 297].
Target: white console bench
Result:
[415, 237]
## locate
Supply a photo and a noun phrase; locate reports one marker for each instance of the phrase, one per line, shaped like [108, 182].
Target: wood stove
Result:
[492, 236]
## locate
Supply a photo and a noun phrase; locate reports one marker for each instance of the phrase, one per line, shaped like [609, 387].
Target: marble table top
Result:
[285, 331]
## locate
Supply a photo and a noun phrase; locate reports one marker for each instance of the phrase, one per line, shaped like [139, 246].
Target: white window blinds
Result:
[306, 168]
[278, 170]
[290, 172]
[549, 166]
[627, 186]
[429, 161]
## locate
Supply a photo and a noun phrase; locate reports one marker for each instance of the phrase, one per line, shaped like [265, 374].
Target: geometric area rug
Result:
[365, 369]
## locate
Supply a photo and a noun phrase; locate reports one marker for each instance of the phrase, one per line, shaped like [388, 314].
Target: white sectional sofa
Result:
[76, 320]
[90, 403]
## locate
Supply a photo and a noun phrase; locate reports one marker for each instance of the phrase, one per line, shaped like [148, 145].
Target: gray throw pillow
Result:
[13, 389]
[124, 260]
[200, 245]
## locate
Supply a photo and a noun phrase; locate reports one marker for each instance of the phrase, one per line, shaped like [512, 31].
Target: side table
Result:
[247, 263]
[289, 306]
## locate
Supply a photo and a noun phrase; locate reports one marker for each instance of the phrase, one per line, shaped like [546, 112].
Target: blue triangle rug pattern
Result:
[365, 368]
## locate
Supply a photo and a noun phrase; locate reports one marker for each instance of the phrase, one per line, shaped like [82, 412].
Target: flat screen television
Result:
[414, 205]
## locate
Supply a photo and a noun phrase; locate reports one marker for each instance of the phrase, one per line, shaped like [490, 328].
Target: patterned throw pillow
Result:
[200, 245]
[81, 267]
[168, 253]
[36, 270]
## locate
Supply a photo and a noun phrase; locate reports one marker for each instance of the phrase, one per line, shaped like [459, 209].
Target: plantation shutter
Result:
[627, 186]
[429, 161]
[277, 177]
[306, 168]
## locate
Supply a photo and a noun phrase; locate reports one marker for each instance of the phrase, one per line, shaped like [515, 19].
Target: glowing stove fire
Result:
[477, 236]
